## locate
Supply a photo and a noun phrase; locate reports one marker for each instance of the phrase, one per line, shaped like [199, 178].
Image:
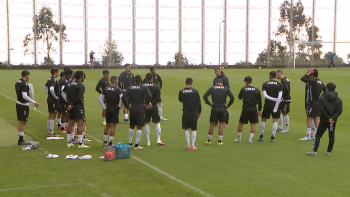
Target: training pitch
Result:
[233, 169]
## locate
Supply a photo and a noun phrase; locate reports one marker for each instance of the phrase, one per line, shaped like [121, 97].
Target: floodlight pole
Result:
[110, 33]
[269, 34]
[225, 33]
[247, 34]
[291, 41]
[335, 25]
[8, 32]
[85, 33]
[220, 42]
[60, 22]
[313, 31]
[133, 32]
[180, 32]
[157, 33]
[35, 32]
[203, 32]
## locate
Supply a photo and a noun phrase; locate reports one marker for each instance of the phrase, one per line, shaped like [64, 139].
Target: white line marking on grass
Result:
[104, 195]
[43, 186]
[144, 163]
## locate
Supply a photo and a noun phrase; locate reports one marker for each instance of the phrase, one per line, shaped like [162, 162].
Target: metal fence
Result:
[150, 32]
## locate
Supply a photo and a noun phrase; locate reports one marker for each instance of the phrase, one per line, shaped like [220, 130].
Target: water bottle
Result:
[331, 127]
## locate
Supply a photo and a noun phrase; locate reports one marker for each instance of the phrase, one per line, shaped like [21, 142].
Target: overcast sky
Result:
[21, 24]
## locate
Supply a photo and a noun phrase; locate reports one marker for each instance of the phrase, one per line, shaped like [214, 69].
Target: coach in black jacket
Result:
[221, 75]
[330, 106]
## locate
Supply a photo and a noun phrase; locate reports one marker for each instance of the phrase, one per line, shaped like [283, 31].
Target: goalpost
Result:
[313, 43]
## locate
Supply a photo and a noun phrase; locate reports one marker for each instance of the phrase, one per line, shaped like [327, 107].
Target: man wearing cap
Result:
[102, 84]
[126, 79]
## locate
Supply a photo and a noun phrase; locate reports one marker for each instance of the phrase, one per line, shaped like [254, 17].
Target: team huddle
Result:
[142, 100]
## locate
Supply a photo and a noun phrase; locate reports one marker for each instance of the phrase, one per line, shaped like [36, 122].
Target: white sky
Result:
[21, 24]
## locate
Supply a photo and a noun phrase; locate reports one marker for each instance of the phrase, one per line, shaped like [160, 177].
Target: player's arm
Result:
[147, 93]
[199, 105]
[180, 96]
[160, 82]
[52, 89]
[98, 87]
[226, 82]
[322, 109]
[240, 95]
[69, 100]
[125, 95]
[100, 100]
[268, 97]
[157, 97]
[338, 111]
[323, 89]
[279, 99]
[121, 80]
[232, 98]
[63, 93]
[285, 87]
[307, 79]
[46, 89]
[259, 101]
[205, 96]
[80, 95]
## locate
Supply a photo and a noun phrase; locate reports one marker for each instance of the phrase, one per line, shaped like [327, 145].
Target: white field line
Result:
[43, 186]
[143, 162]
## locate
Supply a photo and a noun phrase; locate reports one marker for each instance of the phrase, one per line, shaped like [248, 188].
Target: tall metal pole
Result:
[157, 32]
[247, 35]
[291, 41]
[60, 22]
[35, 32]
[180, 31]
[335, 25]
[225, 33]
[110, 33]
[133, 32]
[85, 33]
[313, 31]
[8, 32]
[269, 34]
[203, 31]
[219, 42]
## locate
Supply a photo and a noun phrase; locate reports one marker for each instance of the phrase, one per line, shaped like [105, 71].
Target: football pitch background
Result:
[233, 169]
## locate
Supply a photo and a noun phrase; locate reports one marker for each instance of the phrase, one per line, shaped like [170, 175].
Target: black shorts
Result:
[63, 106]
[284, 107]
[152, 113]
[312, 110]
[249, 114]
[137, 115]
[190, 120]
[52, 105]
[268, 110]
[112, 114]
[22, 112]
[77, 113]
[218, 113]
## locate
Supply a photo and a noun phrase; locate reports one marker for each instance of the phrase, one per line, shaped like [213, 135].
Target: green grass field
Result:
[234, 169]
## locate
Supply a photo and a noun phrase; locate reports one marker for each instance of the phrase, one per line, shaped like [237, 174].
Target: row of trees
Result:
[302, 31]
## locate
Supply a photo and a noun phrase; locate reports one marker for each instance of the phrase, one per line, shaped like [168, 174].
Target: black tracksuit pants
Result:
[322, 127]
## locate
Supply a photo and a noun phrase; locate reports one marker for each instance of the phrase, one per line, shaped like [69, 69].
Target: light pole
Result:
[220, 40]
